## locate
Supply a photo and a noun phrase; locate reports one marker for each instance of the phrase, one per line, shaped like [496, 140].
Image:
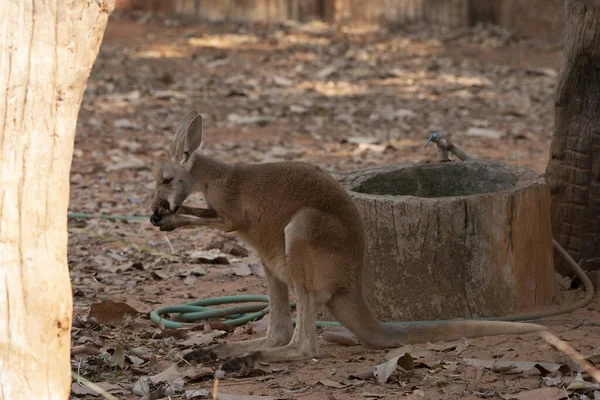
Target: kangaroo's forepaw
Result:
[168, 223]
[241, 363]
[201, 356]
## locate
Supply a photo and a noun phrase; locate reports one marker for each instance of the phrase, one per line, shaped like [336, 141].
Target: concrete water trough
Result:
[454, 240]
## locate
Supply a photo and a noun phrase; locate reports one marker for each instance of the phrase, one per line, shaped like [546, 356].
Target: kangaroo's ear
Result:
[193, 138]
[178, 142]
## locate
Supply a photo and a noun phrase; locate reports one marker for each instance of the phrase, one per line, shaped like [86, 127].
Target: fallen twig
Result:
[571, 352]
[215, 389]
[92, 386]
[170, 245]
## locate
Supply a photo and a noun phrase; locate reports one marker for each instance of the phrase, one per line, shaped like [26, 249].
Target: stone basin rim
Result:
[521, 179]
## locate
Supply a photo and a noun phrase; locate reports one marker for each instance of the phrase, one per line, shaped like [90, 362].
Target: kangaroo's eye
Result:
[167, 181]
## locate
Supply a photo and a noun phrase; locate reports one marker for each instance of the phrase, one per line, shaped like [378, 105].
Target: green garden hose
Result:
[198, 310]
[106, 216]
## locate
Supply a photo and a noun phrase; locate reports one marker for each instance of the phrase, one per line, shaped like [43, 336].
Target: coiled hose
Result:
[199, 310]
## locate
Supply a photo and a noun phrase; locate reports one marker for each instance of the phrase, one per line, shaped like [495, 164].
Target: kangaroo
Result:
[310, 238]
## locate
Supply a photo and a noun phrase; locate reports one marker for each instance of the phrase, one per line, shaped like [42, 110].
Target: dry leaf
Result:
[80, 390]
[412, 350]
[134, 360]
[168, 375]
[406, 361]
[361, 140]
[160, 275]
[166, 383]
[364, 374]
[201, 339]
[196, 373]
[538, 394]
[552, 381]
[239, 269]
[197, 394]
[382, 372]
[372, 395]
[326, 72]
[169, 94]
[259, 369]
[118, 357]
[485, 395]
[148, 389]
[224, 396]
[124, 123]
[257, 269]
[332, 384]
[508, 366]
[281, 81]
[248, 120]
[143, 387]
[109, 312]
[260, 325]
[462, 346]
[443, 346]
[219, 325]
[301, 389]
[131, 163]
[479, 375]
[142, 352]
[579, 383]
[174, 387]
[235, 249]
[175, 333]
[212, 256]
[197, 271]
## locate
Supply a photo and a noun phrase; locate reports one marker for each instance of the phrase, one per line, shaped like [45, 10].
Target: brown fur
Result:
[310, 237]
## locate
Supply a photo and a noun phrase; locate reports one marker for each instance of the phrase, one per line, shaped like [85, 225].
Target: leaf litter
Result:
[283, 110]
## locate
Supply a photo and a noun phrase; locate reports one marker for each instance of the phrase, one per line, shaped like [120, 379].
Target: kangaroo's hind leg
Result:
[279, 332]
[308, 260]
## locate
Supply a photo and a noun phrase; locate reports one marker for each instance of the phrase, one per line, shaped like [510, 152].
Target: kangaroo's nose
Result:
[154, 219]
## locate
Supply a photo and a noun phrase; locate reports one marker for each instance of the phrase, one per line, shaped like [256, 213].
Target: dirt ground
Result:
[342, 99]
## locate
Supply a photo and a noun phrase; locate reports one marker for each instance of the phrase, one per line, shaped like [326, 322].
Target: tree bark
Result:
[47, 49]
[573, 172]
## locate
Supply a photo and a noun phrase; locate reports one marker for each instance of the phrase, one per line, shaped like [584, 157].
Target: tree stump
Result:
[454, 240]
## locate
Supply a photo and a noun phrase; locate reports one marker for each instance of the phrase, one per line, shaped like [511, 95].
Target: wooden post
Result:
[47, 49]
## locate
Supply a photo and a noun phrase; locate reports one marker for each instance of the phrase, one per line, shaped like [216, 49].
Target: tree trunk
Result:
[454, 240]
[573, 172]
[47, 49]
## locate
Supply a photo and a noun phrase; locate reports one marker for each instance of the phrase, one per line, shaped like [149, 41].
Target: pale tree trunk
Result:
[47, 49]
[573, 172]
